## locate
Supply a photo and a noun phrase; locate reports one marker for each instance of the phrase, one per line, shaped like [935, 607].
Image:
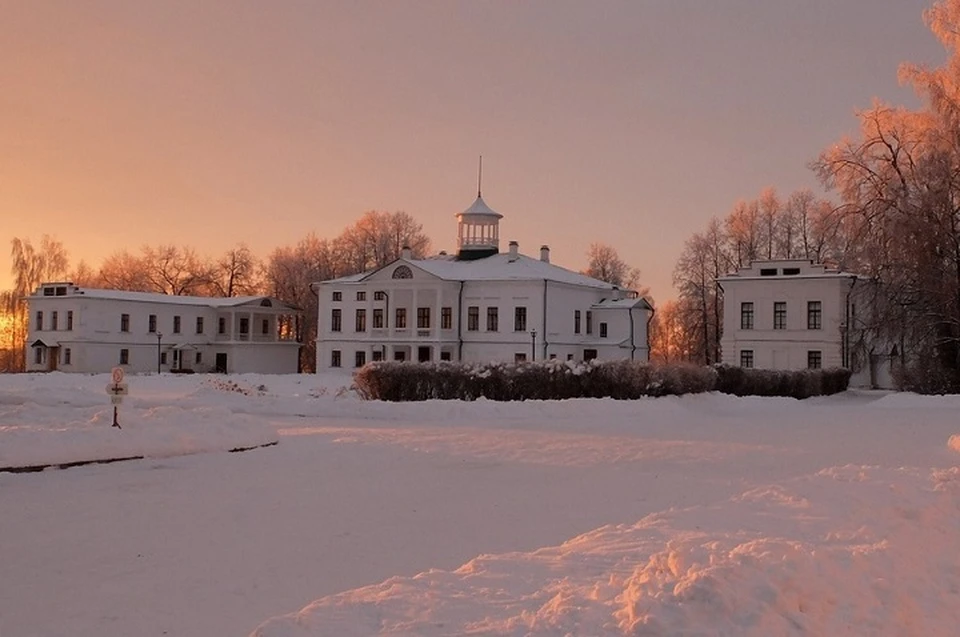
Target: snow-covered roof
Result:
[609, 304]
[504, 267]
[152, 297]
[480, 207]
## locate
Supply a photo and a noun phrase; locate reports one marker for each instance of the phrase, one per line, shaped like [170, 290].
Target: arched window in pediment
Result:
[402, 272]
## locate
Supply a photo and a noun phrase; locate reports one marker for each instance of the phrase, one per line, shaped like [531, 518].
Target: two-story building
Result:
[74, 329]
[477, 305]
[796, 314]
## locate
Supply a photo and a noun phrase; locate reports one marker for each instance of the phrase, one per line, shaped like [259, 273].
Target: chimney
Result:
[616, 294]
[514, 249]
[405, 253]
[545, 254]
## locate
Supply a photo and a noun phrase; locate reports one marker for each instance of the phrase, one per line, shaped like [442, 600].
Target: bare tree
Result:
[235, 273]
[604, 263]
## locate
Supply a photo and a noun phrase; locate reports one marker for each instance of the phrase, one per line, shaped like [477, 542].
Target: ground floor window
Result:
[67, 356]
[38, 355]
[124, 357]
[814, 359]
[377, 355]
[163, 358]
[198, 358]
[589, 354]
[519, 357]
[400, 356]
[444, 356]
[335, 358]
[360, 359]
[746, 358]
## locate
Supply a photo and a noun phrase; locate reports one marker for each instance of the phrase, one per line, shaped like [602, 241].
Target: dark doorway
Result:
[221, 366]
[399, 356]
[423, 354]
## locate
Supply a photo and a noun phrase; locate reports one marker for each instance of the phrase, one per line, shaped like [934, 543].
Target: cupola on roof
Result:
[478, 228]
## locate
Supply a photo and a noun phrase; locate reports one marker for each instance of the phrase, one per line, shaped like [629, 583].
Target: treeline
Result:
[895, 218]
[375, 239]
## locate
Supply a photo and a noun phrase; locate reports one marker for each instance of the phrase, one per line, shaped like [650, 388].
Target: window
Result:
[814, 359]
[221, 325]
[61, 290]
[553, 357]
[444, 355]
[361, 321]
[39, 321]
[198, 358]
[199, 325]
[589, 322]
[176, 324]
[377, 355]
[244, 326]
[124, 322]
[603, 330]
[791, 271]
[814, 315]
[402, 272]
[335, 320]
[780, 315]
[569, 357]
[361, 296]
[54, 320]
[589, 354]
[124, 356]
[576, 321]
[67, 356]
[265, 326]
[378, 318]
[335, 358]
[446, 318]
[379, 295]
[519, 357]
[473, 318]
[768, 272]
[493, 319]
[38, 355]
[746, 358]
[423, 318]
[48, 291]
[746, 316]
[520, 319]
[360, 359]
[163, 358]
[338, 296]
[401, 319]
[152, 323]
[69, 320]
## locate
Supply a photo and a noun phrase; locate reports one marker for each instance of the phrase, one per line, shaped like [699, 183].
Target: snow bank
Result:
[849, 550]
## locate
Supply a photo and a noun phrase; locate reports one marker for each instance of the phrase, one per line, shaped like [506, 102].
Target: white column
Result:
[435, 323]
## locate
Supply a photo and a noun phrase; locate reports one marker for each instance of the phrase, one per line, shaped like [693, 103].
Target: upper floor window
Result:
[199, 325]
[603, 330]
[378, 318]
[589, 322]
[39, 323]
[265, 326]
[814, 315]
[780, 315]
[338, 296]
[493, 319]
[54, 320]
[446, 318]
[400, 320]
[124, 322]
[379, 295]
[361, 296]
[746, 316]
[520, 319]
[576, 321]
[361, 321]
[335, 320]
[221, 325]
[176, 325]
[473, 318]
[814, 359]
[244, 325]
[423, 318]
[746, 358]
[152, 323]
[69, 319]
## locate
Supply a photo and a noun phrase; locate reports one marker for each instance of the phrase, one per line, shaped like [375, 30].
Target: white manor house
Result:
[75, 329]
[478, 305]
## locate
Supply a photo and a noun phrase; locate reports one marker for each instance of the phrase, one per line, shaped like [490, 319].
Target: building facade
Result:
[795, 314]
[74, 329]
[479, 305]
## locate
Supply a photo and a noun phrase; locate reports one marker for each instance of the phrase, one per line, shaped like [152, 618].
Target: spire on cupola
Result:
[478, 227]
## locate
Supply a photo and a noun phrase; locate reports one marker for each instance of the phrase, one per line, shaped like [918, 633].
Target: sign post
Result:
[117, 390]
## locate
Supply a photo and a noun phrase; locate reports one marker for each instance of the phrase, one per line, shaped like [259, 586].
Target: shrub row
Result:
[553, 380]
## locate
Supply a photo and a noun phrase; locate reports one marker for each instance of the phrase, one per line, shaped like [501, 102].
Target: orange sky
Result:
[628, 122]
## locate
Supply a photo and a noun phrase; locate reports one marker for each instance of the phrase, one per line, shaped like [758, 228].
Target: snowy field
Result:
[702, 515]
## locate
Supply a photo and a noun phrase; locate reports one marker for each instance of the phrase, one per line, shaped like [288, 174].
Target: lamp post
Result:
[533, 345]
[159, 337]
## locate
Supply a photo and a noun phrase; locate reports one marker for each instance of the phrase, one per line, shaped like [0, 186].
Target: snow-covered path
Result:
[356, 493]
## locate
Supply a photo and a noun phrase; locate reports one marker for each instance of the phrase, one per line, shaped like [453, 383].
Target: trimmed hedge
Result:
[557, 380]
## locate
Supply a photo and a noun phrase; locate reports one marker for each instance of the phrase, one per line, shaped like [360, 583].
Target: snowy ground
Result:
[704, 515]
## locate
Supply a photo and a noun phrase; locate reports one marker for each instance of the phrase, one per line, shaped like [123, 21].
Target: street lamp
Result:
[533, 344]
[159, 337]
